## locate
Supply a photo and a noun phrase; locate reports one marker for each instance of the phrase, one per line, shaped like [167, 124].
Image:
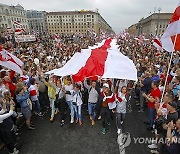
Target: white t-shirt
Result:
[68, 88]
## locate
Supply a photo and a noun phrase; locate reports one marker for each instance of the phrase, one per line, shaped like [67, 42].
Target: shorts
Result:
[26, 111]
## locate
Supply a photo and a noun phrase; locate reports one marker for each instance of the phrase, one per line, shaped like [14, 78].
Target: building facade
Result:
[37, 21]
[132, 30]
[154, 24]
[76, 22]
[10, 14]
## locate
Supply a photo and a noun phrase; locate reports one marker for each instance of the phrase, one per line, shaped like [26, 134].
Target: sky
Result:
[120, 14]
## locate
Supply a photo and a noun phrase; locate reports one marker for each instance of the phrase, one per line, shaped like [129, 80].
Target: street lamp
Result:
[157, 28]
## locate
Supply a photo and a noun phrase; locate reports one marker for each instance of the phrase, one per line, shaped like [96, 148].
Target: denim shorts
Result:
[26, 112]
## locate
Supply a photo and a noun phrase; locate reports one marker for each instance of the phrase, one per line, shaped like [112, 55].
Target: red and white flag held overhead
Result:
[17, 24]
[18, 31]
[171, 37]
[10, 61]
[102, 60]
[157, 44]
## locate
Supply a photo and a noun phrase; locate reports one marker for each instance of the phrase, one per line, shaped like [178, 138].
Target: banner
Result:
[25, 38]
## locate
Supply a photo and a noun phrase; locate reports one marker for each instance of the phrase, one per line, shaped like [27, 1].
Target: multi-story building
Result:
[10, 14]
[76, 22]
[37, 21]
[154, 24]
[132, 30]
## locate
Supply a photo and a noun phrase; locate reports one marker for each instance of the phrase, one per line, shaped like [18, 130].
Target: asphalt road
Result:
[50, 138]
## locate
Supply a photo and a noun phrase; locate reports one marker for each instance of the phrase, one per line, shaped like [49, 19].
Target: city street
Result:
[50, 138]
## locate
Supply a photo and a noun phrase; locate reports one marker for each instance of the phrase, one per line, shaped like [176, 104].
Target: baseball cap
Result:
[106, 85]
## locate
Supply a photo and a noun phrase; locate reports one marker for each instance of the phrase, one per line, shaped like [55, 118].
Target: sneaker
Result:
[99, 118]
[154, 151]
[72, 120]
[32, 125]
[119, 131]
[149, 129]
[152, 146]
[122, 122]
[93, 123]
[62, 124]
[31, 128]
[51, 119]
[146, 123]
[15, 151]
[141, 111]
[57, 111]
[40, 114]
[104, 131]
[108, 123]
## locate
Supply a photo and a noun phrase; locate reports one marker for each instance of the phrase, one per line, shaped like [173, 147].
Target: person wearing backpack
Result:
[92, 99]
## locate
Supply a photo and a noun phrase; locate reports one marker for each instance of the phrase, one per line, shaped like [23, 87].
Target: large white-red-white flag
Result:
[171, 37]
[157, 44]
[102, 60]
[10, 61]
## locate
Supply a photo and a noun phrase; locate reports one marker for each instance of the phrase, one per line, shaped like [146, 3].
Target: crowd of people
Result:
[103, 98]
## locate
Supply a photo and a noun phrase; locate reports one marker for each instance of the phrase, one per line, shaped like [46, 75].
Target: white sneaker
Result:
[122, 122]
[15, 151]
[119, 131]
[99, 118]
[72, 120]
[154, 151]
[152, 146]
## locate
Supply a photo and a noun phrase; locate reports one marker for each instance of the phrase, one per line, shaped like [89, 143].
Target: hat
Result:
[173, 104]
[106, 85]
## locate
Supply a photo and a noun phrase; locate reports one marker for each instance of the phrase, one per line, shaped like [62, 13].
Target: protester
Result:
[92, 100]
[155, 94]
[22, 96]
[108, 97]
[121, 108]
[6, 135]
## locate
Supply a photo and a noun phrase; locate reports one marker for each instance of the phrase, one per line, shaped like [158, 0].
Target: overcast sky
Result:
[120, 14]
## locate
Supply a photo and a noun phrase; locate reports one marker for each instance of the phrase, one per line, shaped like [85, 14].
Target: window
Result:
[160, 26]
[92, 16]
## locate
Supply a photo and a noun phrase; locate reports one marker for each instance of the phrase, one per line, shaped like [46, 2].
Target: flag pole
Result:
[170, 61]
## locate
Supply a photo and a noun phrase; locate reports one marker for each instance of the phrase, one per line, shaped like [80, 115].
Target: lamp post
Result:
[157, 28]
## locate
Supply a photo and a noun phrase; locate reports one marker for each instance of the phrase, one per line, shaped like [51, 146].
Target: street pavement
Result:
[50, 138]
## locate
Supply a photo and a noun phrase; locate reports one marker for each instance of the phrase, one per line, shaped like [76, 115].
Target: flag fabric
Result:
[17, 24]
[18, 31]
[9, 29]
[157, 44]
[10, 61]
[171, 37]
[102, 60]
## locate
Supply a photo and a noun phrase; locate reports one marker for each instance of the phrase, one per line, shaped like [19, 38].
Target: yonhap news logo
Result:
[125, 139]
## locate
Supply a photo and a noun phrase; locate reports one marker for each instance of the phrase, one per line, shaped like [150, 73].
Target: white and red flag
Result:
[157, 44]
[18, 31]
[17, 24]
[10, 61]
[171, 37]
[102, 60]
